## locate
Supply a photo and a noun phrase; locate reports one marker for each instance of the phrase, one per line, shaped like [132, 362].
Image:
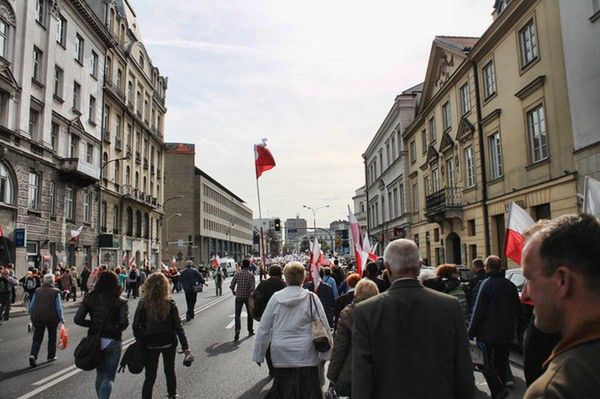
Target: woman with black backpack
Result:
[109, 316]
[157, 326]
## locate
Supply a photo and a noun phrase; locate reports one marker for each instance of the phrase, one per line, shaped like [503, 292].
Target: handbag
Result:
[320, 339]
[198, 288]
[63, 340]
[256, 303]
[88, 353]
[133, 359]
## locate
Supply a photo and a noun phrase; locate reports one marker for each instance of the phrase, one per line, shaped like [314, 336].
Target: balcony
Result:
[141, 195]
[145, 163]
[106, 135]
[152, 170]
[138, 157]
[148, 198]
[444, 204]
[79, 172]
[118, 143]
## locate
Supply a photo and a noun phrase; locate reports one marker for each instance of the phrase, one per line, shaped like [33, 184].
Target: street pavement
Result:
[222, 368]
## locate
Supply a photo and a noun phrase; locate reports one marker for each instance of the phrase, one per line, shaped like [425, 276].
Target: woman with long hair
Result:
[156, 327]
[109, 315]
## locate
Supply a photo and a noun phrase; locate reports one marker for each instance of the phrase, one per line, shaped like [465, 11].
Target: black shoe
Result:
[32, 361]
[250, 333]
[236, 337]
[52, 359]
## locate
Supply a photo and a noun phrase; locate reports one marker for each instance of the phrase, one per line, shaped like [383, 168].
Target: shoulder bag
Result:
[320, 339]
[88, 352]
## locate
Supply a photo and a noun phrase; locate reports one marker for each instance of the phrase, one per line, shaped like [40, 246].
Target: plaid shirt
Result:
[244, 282]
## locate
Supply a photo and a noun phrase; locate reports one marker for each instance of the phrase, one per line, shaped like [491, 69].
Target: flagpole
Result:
[261, 249]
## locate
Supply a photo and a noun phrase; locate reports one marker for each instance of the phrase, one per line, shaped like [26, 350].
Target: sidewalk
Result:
[18, 309]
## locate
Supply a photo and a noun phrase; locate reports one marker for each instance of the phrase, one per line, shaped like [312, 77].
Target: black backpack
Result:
[256, 303]
[133, 359]
[132, 275]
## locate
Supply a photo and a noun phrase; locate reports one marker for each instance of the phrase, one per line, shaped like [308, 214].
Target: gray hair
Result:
[48, 279]
[402, 255]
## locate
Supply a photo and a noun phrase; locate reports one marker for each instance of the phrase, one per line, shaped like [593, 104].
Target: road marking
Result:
[73, 370]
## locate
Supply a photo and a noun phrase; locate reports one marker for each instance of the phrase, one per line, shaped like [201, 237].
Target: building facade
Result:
[493, 127]
[131, 208]
[272, 239]
[202, 217]
[51, 73]
[295, 230]
[385, 172]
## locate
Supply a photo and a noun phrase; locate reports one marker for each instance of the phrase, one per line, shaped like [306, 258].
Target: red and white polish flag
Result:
[263, 159]
[514, 241]
[355, 230]
[314, 264]
[216, 262]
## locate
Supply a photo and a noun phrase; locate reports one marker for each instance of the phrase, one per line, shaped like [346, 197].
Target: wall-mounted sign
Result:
[20, 237]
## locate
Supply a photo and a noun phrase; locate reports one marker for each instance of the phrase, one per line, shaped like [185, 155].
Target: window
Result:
[465, 99]
[6, 186]
[52, 192]
[108, 70]
[87, 206]
[118, 131]
[103, 217]
[115, 220]
[413, 151]
[401, 198]
[390, 206]
[69, 203]
[61, 31]
[92, 110]
[76, 96]
[73, 150]
[54, 132]
[469, 167]
[393, 144]
[536, 125]
[79, 48]
[446, 116]
[528, 41]
[106, 117]
[34, 191]
[120, 79]
[94, 64]
[495, 156]
[432, 134]
[58, 82]
[34, 122]
[542, 211]
[3, 39]
[435, 180]
[129, 93]
[415, 197]
[471, 230]
[89, 153]
[138, 223]
[40, 11]
[424, 141]
[37, 64]
[489, 80]
[388, 154]
[450, 173]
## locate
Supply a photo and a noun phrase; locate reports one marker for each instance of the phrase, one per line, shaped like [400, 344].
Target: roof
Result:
[415, 89]
[461, 43]
[200, 172]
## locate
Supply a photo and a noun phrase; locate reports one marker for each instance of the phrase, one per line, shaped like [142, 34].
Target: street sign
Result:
[179, 243]
[20, 237]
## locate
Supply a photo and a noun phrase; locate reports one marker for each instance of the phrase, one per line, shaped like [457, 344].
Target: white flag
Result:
[591, 196]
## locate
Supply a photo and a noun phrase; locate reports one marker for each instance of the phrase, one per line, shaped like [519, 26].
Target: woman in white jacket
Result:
[286, 326]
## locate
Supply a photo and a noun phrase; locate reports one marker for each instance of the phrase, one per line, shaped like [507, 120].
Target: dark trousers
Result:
[5, 301]
[151, 366]
[132, 287]
[239, 302]
[190, 299]
[219, 286]
[38, 337]
[497, 363]
[269, 360]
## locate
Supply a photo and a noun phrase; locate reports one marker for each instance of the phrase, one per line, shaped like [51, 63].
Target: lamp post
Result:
[167, 223]
[172, 199]
[314, 212]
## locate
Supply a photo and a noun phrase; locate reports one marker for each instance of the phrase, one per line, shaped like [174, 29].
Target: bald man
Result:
[410, 341]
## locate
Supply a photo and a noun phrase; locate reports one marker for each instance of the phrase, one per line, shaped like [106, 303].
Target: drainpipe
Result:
[486, 222]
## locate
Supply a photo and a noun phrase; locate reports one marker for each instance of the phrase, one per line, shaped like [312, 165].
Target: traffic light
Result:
[277, 225]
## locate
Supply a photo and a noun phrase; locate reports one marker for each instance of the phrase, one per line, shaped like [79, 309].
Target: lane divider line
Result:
[73, 370]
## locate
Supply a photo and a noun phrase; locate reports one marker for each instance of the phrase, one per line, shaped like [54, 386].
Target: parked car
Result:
[515, 276]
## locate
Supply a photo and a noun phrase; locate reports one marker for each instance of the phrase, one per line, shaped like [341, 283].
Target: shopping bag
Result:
[63, 337]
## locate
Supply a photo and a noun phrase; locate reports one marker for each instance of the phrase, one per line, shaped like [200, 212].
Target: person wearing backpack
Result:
[157, 327]
[46, 312]
[132, 282]
[452, 286]
[109, 316]
[32, 282]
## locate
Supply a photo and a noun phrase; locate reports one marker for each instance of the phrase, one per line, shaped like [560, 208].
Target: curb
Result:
[21, 310]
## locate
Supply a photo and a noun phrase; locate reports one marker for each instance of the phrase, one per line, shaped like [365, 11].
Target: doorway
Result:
[453, 254]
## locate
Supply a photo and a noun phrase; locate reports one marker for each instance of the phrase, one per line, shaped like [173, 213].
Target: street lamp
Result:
[314, 212]
[173, 198]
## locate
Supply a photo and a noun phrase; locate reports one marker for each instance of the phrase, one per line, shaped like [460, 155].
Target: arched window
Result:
[145, 185]
[129, 221]
[117, 172]
[128, 176]
[116, 220]
[146, 225]
[8, 23]
[137, 180]
[7, 186]
[138, 223]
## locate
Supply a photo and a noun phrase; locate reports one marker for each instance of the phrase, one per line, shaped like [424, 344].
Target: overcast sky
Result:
[316, 78]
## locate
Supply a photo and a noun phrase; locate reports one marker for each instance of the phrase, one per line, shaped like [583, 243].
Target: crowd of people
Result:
[398, 328]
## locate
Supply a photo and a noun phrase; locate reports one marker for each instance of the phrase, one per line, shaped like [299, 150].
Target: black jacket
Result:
[159, 333]
[112, 316]
[471, 288]
[269, 287]
[496, 309]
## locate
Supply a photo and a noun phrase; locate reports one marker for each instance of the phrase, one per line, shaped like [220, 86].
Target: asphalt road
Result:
[222, 368]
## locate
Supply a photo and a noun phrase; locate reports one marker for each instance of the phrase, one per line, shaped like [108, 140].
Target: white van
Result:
[229, 266]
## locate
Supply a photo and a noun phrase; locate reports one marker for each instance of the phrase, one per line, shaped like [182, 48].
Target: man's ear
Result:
[565, 280]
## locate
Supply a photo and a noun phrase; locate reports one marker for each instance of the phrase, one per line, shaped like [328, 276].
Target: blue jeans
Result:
[106, 371]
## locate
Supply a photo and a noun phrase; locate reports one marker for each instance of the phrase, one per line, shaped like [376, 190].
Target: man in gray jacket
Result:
[410, 341]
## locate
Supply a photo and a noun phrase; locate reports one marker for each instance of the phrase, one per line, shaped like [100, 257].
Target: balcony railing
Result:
[106, 135]
[80, 172]
[441, 202]
[138, 157]
[118, 143]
